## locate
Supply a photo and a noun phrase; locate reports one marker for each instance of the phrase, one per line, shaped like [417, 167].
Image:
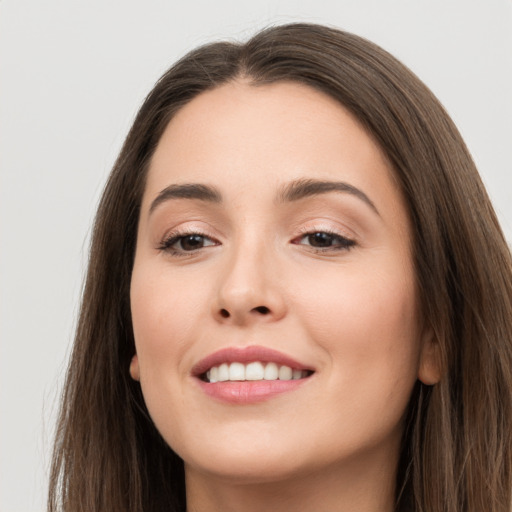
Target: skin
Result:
[348, 312]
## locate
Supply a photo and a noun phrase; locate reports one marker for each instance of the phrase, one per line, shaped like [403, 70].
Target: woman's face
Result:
[274, 245]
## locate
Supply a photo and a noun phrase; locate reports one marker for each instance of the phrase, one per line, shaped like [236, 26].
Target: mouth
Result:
[253, 371]
[249, 374]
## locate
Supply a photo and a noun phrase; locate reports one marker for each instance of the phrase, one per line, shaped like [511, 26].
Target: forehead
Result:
[248, 137]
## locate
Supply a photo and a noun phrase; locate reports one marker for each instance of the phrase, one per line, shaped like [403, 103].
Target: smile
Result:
[243, 375]
[254, 371]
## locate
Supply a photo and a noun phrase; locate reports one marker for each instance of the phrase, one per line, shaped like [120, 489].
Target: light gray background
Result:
[72, 74]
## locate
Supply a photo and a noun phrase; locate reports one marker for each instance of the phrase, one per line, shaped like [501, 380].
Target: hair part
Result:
[457, 445]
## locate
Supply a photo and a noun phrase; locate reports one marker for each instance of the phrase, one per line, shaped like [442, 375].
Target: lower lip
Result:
[248, 392]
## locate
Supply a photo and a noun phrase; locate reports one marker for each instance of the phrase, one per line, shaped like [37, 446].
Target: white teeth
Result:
[271, 372]
[236, 371]
[285, 373]
[223, 374]
[253, 371]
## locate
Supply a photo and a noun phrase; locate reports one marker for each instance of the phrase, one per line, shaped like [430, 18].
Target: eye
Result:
[178, 243]
[324, 240]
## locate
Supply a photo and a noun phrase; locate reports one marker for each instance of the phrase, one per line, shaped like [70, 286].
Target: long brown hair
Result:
[457, 444]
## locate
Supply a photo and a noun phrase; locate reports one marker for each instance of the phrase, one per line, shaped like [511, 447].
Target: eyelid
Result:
[327, 225]
[346, 240]
[174, 234]
[346, 243]
[189, 227]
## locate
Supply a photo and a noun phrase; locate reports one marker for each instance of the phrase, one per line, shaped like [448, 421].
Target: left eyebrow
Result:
[303, 188]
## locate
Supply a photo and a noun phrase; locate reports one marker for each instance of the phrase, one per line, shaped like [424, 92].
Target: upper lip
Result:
[246, 355]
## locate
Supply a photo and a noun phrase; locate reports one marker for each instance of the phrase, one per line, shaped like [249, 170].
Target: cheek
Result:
[163, 316]
[367, 323]
[164, 313]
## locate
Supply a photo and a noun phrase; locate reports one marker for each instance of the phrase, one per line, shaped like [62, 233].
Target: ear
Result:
[430, 371]
[134, 368]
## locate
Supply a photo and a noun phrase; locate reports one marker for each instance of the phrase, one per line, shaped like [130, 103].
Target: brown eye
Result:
[179, 244]
[325, 240]
[191, 242]
[320, 239]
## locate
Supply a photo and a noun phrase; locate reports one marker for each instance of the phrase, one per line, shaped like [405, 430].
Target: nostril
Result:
[262, 309]
[224, 313]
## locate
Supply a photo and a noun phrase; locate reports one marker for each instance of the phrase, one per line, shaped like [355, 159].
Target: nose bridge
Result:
[248, 287]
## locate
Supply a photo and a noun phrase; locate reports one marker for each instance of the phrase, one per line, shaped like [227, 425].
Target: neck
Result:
[356, 487]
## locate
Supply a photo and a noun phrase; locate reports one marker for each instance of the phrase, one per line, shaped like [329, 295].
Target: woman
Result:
[298, 297]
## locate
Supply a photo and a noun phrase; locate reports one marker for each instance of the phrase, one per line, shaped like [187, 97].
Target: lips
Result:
[249, 374]
[247, 355]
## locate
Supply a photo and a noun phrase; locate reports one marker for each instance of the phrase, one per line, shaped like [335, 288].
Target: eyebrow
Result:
[303, 188]
[294, 191]
[187, 191]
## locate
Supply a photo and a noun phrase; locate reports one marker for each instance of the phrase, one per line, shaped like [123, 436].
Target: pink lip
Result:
[246, 355]
[246, 392]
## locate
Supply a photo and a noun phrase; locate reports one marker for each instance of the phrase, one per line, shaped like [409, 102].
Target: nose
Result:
[249, 289]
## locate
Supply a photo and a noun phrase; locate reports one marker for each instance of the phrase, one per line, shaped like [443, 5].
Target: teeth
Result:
[253, 371]
[236, 371]
[271, 372]
[223, 374]
[285, 373]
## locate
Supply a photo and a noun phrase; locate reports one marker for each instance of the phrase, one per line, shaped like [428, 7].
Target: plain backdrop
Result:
[72, 75]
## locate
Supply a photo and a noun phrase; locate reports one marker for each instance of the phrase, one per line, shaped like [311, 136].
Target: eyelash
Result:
[343, 243]
[178, 236]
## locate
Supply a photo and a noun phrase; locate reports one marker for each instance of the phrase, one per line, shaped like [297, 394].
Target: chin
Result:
[248, 468]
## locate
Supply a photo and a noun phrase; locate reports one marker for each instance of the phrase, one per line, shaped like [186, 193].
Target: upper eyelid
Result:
[301, 230]
[326, 226]
[201, 226]
[177, 235]
[331, 232]
[164, 242]
[190, 228]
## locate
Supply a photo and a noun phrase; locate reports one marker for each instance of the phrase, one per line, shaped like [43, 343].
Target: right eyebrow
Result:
[302, 188]
[186, 191]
